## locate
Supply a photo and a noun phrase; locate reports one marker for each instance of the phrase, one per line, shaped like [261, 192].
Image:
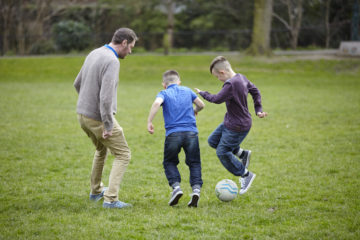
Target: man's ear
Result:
[124, 43]
[163, 84]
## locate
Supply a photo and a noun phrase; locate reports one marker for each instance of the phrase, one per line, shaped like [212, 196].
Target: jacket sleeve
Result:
[222, 96]
[256, 96]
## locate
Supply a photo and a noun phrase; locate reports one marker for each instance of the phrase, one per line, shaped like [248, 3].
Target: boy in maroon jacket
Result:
[227, 137]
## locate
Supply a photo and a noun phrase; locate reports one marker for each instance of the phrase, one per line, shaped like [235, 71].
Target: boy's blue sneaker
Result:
[175, 196]
[97, 197]
[245, 158]
[116, 204]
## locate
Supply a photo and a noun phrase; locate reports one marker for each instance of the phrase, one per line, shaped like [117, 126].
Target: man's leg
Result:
[93, 129]
[119, 148]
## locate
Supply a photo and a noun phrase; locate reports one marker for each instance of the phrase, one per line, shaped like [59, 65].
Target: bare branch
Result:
[282, 21]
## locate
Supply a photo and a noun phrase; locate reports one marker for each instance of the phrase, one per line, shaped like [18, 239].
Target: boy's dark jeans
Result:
[190, 143]
[227, 143]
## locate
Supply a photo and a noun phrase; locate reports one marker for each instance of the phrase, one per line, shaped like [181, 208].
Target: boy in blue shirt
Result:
[181, 132]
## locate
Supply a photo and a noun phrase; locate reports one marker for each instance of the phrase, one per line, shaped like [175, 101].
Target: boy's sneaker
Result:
[195, 196]
[116, 204]
[246, 182]
[175, 196]
[97, 197]
[245, 158]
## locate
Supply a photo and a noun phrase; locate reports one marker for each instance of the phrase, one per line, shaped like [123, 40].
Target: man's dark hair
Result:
[124, 34]
[217, 60]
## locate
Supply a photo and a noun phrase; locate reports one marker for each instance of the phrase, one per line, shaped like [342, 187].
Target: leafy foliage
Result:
[69, 35]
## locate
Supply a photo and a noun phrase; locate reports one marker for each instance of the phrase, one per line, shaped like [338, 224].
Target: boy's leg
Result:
[172, 148]
[229, 141]
[193, 160]
[215, 136]
[192, 153]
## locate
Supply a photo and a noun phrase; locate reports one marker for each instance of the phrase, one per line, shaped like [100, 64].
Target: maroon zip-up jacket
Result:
[234, 93]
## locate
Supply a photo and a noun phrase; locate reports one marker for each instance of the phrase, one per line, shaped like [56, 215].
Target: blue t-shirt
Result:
[178, 109]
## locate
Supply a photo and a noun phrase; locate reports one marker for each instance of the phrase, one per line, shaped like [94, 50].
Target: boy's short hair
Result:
[170, 76]
[220, 63]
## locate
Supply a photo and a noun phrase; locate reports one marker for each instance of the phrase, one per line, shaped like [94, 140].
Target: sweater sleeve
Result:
[222, 96]
[77, 82]
[107, 92]
[255, 94]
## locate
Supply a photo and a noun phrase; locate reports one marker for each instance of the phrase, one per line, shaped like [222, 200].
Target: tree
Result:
[169, 35]
[293, 25]
[260, 42]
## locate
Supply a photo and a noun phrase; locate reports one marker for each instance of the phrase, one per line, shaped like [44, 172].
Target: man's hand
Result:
[106, 134]
[197, 90]
[150, 127]
[261, 114]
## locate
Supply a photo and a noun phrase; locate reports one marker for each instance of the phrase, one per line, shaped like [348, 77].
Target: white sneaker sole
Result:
[175, 199]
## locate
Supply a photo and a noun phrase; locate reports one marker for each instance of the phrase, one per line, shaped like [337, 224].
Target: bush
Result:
[42, 47]
[70, 35]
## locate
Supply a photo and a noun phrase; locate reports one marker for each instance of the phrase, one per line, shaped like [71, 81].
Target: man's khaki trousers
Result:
[118, 147]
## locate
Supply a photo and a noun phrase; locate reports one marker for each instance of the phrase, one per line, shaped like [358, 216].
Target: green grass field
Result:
[306, 153]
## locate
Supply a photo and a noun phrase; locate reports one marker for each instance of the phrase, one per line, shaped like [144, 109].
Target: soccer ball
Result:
[226, 190]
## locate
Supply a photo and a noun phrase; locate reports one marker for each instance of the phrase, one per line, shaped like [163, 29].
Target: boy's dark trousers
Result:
[189, 141]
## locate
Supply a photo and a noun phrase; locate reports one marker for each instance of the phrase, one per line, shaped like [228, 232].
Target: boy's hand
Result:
[150, 127]
[197, 90]
[261, 114]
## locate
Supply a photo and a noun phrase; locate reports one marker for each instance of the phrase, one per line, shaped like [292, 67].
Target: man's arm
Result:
[154, 109]
[77, 82]
[107, 91]
[199, 105]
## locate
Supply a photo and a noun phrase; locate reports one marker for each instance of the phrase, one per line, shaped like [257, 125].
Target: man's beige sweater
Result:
[96, 85]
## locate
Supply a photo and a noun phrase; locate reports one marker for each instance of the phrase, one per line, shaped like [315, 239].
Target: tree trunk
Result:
[355, 22]
[295, 19]
[168, 36]
[260, 42]
[327, 24]
[20, 30]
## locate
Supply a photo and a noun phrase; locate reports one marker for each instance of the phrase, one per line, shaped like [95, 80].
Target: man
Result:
[96, 85]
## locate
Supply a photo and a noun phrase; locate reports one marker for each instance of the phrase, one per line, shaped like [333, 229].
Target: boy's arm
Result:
[256, 96]
[220, 97]
[154, 109]
[199, 105]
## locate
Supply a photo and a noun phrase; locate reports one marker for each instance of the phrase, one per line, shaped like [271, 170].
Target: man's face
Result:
[126, 48]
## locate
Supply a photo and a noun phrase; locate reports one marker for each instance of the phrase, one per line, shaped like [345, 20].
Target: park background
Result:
[305, 153]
